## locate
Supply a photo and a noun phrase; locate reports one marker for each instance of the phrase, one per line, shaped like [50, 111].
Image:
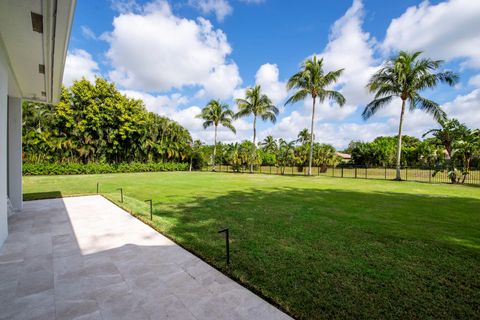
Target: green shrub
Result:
[32, 169]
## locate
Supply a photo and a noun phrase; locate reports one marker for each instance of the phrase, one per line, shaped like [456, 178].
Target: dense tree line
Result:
[269, 152]
[94, 122]
[453, 148]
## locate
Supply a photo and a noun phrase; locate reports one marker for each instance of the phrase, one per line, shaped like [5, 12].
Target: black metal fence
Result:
[420, 174]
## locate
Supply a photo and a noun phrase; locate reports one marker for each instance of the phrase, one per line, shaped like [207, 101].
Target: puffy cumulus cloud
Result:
[221, 8]
[466, 108]
[352, 49]
[79, 63]
[154, 50]
[267, 77]
[221, 83]
[337, 134]
[175, 107]
[447, 30]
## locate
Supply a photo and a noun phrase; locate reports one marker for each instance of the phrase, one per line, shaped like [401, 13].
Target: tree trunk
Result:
[311, 139]
[398, 176]
[214, 149]
[254, 140]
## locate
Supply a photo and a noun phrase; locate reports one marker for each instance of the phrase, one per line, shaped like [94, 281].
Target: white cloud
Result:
[475, 81]
[466, 108]
[79, 63]
[125, 6]
[267, 77]
[447, 30]
[156, 51]
[88, 33]
[173, 107]
[221, 8]
[351, 48]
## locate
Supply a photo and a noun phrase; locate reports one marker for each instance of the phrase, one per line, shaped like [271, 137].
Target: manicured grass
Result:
[319, 247]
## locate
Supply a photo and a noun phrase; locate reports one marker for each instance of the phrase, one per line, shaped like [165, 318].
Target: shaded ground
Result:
[319, 247]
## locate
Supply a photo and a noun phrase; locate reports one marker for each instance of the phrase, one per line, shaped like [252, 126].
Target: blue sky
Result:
[176, 55]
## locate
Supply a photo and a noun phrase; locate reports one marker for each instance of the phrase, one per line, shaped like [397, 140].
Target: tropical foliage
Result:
[31, 169]
[94, 122]
[404, 77]
[312, 81]
[461, 146]
[258, 105]
[214, 114]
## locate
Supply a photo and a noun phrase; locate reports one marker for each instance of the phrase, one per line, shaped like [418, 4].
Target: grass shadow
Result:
[332, 253]
[42, 195]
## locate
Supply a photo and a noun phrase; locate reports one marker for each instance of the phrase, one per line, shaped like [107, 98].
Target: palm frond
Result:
[374, 106]
[428, 106]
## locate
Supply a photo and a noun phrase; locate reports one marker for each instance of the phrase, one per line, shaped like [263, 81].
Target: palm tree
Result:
[269, 144]
[303, 136]
[215, 113]
[312, 81]
[405, 76]
[258, 105]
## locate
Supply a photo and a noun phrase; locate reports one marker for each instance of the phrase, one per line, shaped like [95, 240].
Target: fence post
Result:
[318, 171]
[385, 172]
[406, 173]
[342, 171]
[355, 172]
[270, 169]
[430, 175]
[366, 172]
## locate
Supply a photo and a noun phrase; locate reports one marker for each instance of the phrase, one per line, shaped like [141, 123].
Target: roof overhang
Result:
[34, 35]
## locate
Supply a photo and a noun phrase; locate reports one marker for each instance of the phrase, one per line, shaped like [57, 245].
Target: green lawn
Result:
[319, 247]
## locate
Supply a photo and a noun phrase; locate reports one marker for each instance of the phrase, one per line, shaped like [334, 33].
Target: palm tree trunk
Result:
[214, 149]
[311, 140]
[254, 140]
[398, 176]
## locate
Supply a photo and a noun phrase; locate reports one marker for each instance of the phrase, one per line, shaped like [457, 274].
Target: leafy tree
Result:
[269, 144]
[303, 136]
[460, 144]
[405, 76]
[216, 113]
[94, 122]
[312, 81]
[286, 154]
[259, 105]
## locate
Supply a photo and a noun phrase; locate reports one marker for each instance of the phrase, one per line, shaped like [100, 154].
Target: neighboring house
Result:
[345, 157]
[34, 37]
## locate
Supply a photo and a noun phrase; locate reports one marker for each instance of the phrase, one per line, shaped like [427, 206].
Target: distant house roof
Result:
[344, 156]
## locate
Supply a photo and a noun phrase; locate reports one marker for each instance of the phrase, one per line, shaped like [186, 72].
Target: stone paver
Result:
[85, 258]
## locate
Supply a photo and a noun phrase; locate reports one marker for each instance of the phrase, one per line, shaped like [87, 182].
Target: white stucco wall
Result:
[3, 146]
[14, 164]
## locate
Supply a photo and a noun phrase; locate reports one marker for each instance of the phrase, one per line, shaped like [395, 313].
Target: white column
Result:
[3, 148]
[15, 152]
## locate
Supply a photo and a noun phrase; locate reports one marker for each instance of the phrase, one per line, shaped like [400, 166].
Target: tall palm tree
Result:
[312, 81]
[405, 76]
[216, 113]
[259, 105]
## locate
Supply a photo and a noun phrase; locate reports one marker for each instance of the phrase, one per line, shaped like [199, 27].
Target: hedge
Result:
[32, 169]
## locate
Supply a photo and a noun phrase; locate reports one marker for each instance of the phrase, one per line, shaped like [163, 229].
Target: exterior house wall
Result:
[3, 145]
[14, 162]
